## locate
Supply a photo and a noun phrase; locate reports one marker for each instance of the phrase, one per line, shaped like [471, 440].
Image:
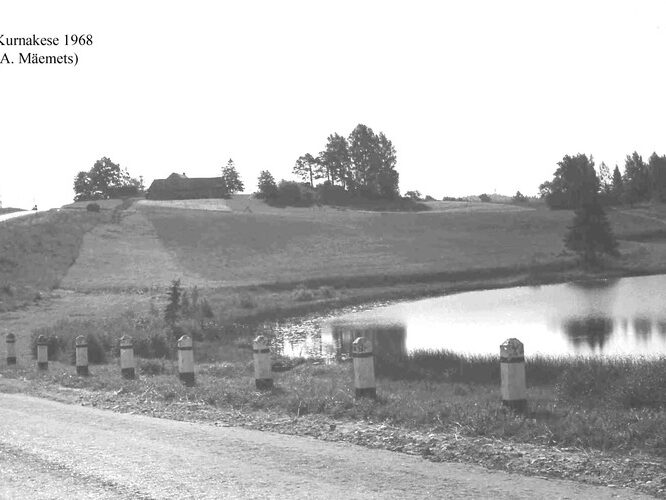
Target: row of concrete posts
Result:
[512, 365]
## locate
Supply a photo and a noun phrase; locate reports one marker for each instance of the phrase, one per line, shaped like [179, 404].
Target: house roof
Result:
[180, 182]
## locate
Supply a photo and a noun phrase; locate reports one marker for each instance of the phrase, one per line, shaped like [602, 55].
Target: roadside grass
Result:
[611, 404]
[37, 251]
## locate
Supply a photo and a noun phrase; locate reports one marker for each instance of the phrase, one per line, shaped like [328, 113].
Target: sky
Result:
[476, 96]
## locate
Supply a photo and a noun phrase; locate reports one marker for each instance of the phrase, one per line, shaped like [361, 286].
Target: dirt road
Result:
[52, 450]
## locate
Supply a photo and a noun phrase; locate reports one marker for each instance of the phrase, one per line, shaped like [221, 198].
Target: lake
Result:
[608, 317]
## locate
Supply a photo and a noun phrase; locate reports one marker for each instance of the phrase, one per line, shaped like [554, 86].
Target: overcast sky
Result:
[477, 96]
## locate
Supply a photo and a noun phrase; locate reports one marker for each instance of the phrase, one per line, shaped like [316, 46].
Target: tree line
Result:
[576, 177]
[362, 163]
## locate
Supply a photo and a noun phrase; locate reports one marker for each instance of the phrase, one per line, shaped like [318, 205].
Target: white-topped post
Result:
[10, 339]
[127, 357]
[512, 370]
[186, 360]
[364, 368]
[42, 353]
[81, 356]
[263, 376]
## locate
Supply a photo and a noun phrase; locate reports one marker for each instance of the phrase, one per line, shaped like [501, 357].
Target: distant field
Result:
[475, 206]
[9, 210]
[216, 205]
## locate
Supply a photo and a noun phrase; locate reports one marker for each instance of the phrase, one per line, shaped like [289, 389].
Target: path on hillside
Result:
[53, 450]
[127, 256]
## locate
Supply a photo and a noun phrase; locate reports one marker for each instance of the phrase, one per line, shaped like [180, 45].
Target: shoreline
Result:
[408, 290]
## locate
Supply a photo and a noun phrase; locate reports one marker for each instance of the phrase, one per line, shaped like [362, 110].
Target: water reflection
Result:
[608, 317]
[388, 340]
[593, 331]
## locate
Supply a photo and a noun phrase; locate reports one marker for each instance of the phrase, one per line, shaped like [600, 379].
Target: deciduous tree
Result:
[104, 180]
[267, 188]
[231, 179]
[574, 181]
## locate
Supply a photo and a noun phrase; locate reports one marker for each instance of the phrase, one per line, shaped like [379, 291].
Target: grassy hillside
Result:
[37, 251]
[300, 244]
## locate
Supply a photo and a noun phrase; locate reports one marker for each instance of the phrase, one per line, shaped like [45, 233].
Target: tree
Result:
[307, 167]
[104, 180]
[519, 197]
[657, 170]
[231, 179]
[484, 198]
[636, 179]
[574, 181]
[372, 163]
[605, 178]
[335, 161]
[267, 187]
[618, 184]
[414, 195]
[590, 234]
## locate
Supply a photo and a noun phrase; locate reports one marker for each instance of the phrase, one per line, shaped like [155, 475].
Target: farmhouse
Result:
[181, 187]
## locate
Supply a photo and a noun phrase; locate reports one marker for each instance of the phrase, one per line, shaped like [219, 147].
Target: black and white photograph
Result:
[332, 250]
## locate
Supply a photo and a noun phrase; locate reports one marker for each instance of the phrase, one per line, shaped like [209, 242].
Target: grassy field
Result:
[37, 251]
[292, 245]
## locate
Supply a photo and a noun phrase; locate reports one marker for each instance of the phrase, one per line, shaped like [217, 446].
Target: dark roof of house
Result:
[179, 182]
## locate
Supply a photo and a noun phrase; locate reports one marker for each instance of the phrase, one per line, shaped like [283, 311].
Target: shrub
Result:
[151, 366]
[302, 294]
[246, 301]
[96, 349]
[55, 345]
[92, 207]
[293, 194]
[152, 346]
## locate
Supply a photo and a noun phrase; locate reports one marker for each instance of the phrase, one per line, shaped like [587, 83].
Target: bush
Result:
[246, 301]
[56, 345]
[293, 194]
[151, 366]
[302, 294]
[96, 349]
[152, 346]
[92, 207]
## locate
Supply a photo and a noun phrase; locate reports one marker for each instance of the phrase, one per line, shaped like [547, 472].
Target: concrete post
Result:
[186, 360]
[11, 348]
[127, 357]
[81, 356]
[263, 377]
[42, 353]
[512, 369]
[364, 368]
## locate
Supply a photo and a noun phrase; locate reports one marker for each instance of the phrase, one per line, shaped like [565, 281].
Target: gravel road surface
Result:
[53, 450]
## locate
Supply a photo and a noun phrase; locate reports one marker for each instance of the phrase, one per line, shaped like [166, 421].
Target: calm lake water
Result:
[610, 317]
